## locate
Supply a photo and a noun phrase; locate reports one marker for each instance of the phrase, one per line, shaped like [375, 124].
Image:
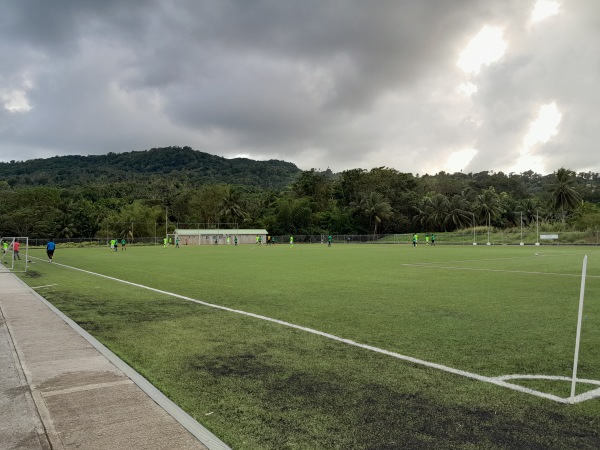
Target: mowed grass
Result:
[256, 384]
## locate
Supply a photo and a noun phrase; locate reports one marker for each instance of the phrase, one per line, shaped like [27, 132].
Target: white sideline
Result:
[498, 381]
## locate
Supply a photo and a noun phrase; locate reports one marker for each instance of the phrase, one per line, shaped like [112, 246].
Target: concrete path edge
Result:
[187, 421]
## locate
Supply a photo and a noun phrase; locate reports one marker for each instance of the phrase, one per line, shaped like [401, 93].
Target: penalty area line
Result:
[491, 380]
[45, 286]
[524, 272]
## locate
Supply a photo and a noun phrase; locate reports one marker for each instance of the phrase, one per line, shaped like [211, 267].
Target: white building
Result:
[219, 236]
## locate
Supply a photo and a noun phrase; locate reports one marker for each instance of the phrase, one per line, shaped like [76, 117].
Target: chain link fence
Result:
[478, 238]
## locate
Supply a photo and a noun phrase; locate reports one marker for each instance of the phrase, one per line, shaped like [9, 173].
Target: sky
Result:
[419, 86]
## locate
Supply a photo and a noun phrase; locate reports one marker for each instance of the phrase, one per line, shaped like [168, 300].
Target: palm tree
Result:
[564, 196]
[67, 222]
[423, 216]
[230, 207]
[375, 207]
[458, 215]
[530, 209]
[488, 204]
[439, 209]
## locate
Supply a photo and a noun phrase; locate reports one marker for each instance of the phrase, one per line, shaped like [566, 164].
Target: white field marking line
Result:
[536, 255]
[45, 286]
[512, 258]
[492, 380]
[594, 393]
[432, 266]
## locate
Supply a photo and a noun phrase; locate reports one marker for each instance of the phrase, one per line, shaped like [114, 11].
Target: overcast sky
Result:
[416, 85]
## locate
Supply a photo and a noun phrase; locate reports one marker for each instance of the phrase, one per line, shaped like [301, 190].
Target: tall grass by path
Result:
[259, 385]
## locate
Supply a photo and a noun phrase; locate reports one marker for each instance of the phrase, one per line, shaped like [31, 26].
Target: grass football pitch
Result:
[353, 346]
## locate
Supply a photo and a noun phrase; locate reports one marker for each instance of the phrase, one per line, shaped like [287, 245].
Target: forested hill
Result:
[186, 165]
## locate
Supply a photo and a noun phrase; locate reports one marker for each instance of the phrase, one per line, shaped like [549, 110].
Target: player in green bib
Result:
[4, 249]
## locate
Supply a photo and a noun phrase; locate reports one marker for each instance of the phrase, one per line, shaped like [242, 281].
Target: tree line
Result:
[127, 194]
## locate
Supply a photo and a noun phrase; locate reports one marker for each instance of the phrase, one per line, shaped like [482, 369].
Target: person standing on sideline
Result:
[4, 248]
[16, 246]
[329, 239]
[433, 239]
[50, 247]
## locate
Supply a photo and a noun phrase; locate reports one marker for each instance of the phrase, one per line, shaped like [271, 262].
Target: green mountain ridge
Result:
[183, 163]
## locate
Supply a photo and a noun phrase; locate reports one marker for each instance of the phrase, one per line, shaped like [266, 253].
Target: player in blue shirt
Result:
[50, 247]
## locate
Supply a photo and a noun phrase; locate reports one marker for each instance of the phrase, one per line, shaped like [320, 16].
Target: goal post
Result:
[15, 253]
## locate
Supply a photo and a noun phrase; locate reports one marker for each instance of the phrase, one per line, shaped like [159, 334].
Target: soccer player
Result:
[415, 238]
[16, 246]
[433, 239]
[123, 244]
[291, 241]
[235, 241]
[4, 248]
[427, 240]
[165, 243]
[50, 247]
[329, 239]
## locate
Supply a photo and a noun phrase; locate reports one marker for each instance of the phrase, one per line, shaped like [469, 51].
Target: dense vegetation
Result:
[87, 196]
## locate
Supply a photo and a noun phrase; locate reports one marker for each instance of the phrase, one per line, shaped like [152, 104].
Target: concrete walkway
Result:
[62, 389]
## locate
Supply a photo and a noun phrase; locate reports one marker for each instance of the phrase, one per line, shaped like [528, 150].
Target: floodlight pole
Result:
[522, 228]
[537, 227]
[474, 241]
[578, 336]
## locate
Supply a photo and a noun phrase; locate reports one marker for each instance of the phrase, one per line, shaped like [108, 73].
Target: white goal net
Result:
[14, 254]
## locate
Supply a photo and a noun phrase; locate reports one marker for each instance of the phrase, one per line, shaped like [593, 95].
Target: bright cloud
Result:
[487, 47]
[544, 127]
[15, 101]
[467, 88]
[455, 162]
[541, 130]
[544, 9]
[460, 159]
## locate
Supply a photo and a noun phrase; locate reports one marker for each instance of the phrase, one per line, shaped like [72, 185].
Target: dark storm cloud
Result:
[339, 84]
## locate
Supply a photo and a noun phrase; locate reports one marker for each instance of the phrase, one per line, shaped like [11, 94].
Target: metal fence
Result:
[478, 238]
